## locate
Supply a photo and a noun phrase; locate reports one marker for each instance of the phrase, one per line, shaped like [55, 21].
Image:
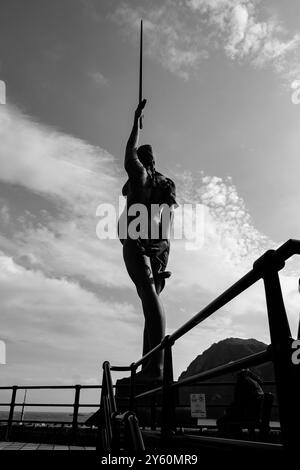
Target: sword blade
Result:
[141, 71]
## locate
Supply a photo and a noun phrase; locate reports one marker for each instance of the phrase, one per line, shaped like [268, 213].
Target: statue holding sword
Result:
[146, 258]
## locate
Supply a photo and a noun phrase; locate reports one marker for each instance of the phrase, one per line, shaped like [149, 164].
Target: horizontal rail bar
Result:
[285, 251]
[120, 368]
[157, 348]
[71, 405]
[40, 421]
[288, 249]
[49, 387]
[149, 392]
[252, 360]
[214, 384]
[87, 405]
[240, 286]
[208, 384]
[226, 384]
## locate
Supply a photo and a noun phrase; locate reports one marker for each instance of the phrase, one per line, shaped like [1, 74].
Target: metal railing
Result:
[287, 374]
[117, 430]
[76, 405]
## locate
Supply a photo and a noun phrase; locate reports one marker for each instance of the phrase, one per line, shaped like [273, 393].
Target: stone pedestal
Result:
[147, 409]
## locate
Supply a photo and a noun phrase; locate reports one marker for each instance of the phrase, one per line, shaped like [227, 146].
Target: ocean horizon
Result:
[46, 416]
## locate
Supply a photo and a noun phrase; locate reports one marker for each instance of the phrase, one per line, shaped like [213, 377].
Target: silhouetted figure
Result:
[247, 402]
[146, 257]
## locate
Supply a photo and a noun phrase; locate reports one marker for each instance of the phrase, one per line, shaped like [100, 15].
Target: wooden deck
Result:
[35, 446]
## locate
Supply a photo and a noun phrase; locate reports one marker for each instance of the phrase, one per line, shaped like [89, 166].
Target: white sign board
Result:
[198, 407]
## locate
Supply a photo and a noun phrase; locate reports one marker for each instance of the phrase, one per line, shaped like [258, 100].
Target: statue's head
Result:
[146, 157]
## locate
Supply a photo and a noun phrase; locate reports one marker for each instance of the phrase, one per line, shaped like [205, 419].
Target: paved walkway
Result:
[35, 446]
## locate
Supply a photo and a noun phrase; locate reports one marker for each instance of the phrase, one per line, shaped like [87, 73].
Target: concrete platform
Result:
[35, 446]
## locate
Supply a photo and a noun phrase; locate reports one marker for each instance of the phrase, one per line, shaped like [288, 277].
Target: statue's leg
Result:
[159, 285]
[146, 346]
[158, 266]
[154, 324]
[139, 269]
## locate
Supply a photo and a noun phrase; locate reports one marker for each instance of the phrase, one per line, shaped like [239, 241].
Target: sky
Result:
[219, 77]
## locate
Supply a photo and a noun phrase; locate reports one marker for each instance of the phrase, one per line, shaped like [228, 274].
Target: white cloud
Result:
[48, 313]
[98, 78]
[180, 34]
[48, 162]
[262, 43]
[66, 171]
[275, 50]
[168, 38]
[238, 25]
[4, 214]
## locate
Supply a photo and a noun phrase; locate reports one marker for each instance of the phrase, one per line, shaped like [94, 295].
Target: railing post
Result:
[102, 441]
[132, 387]
[136, 438]
[108, 410]
[75, 412]
[168, 401]
[287, 374]
[11, 412]
[153, 413]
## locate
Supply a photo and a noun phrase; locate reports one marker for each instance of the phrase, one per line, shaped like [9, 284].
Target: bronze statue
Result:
[145, 255]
